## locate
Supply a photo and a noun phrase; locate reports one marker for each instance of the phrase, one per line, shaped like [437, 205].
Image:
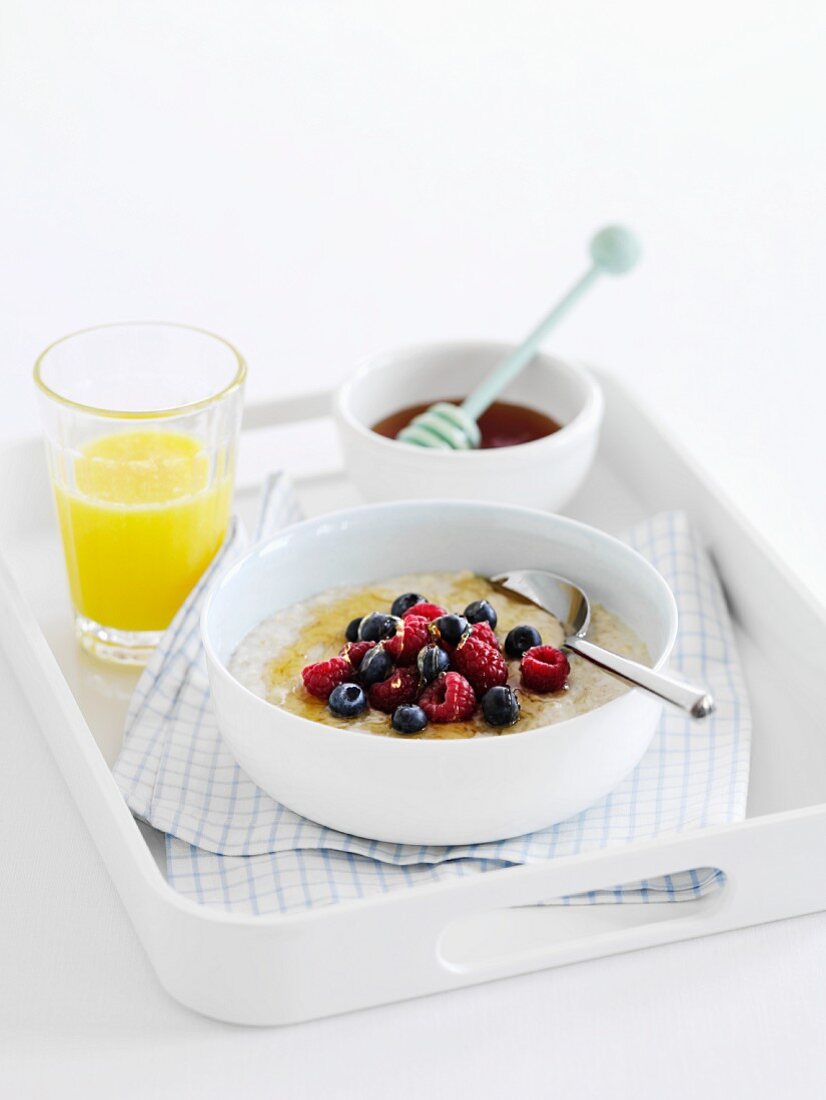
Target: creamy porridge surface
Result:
[270, 659]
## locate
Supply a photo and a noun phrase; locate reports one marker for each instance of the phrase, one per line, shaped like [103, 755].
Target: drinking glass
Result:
[141, 424]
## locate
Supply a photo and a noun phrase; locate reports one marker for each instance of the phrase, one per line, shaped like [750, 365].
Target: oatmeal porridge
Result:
[342, 658]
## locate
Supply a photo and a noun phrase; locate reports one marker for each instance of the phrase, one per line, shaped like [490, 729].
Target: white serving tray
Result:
[282, 969]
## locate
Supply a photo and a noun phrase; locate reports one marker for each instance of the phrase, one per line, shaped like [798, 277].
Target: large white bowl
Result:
[420, 791]
[545, 473]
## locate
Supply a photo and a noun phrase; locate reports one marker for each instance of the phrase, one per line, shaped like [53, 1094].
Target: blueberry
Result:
[347, 700]
[480, 611]
[377, 626]
[521, 639]
[402, 604]
[352, 631]
[451, 628]
[500, 706]
[408, 718]
[375, 665]
[432, 661]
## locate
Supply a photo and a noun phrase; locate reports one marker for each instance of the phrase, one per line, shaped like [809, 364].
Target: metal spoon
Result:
[570, 606]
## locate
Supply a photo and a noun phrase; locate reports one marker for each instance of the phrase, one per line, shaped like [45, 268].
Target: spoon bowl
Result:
[563, 599]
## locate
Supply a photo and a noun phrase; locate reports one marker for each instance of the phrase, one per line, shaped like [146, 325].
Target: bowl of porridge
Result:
[367, 674]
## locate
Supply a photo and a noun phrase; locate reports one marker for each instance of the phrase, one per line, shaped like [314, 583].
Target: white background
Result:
[321, 181]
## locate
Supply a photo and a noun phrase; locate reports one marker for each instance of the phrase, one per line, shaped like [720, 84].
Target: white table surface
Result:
[321, 181]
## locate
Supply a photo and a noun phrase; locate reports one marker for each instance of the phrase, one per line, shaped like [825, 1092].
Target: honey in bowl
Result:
[504, 424]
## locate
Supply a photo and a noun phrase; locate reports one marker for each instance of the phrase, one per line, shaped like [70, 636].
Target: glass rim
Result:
[140, 414]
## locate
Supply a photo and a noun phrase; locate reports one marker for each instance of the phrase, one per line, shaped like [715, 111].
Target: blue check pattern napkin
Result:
[229, 844]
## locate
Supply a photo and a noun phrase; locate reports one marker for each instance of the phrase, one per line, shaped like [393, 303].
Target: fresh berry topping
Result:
[521, 639]
[401, 686]
[377, 626]
[320, 678]
[448, 699]
[376, 665]
[355, 651]
[450, 628]
[403, 604]
[352, 631]
[500, 706]
[544, 669]
[483, 632]
[413, 634]
[429, 611]
[432, 662]
[409, 718]
[347, 700]
[481, 664]
[480, 611]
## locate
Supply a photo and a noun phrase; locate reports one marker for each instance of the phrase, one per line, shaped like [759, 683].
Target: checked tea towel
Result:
[230, 845]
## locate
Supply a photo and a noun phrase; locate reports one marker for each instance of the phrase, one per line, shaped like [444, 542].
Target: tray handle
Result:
[769, 874]
[561, 934]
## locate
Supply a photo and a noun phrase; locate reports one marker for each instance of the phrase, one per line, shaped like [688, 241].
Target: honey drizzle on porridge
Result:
[270, 659]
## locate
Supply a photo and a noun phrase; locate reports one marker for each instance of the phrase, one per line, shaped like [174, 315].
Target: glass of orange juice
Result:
[142, 425]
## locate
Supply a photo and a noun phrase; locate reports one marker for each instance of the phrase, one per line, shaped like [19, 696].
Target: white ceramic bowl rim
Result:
[582, 421]
[434, 744]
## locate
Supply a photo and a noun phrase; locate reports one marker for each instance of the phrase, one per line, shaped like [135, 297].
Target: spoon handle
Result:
[697, 702]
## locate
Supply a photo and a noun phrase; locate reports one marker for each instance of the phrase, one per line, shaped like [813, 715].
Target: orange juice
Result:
[142, 521]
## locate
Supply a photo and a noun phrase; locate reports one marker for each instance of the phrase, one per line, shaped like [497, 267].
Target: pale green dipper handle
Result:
[614, 251]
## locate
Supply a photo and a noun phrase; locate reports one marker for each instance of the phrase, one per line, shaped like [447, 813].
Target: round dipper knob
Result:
[615, 249]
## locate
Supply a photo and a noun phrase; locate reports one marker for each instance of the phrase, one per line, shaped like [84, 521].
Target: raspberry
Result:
[412, 636]
[485, 633]
[354, 652]
[401, 686]
[448, 699]
[320, 678]
[480, 663]
[429, 611]
[544, 669]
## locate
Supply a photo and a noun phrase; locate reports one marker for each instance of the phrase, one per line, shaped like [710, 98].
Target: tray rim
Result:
[145, 890]
[316, 404]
